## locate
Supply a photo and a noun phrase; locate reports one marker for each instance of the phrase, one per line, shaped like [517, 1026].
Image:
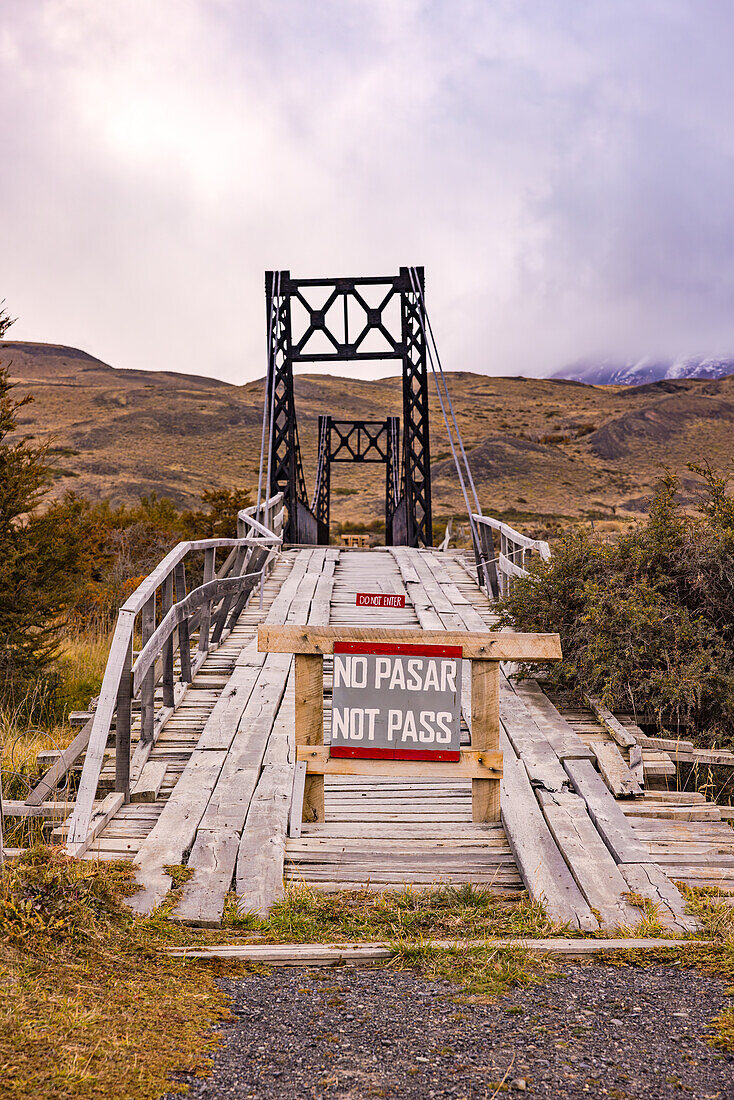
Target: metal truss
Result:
[416, 443]
[357, 441]
[351, 320]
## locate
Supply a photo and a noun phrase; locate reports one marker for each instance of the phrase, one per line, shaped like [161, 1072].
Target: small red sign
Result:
[379, 599]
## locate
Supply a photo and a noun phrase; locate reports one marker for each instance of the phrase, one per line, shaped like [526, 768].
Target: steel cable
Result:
[475, 537]
[265, 413]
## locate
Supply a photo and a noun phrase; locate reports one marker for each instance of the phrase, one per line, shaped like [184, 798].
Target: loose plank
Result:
[617, 776]
[588, 858]
[538, 858]
[622, 736]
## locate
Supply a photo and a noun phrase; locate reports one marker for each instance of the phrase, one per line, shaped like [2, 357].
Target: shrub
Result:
[646, 621]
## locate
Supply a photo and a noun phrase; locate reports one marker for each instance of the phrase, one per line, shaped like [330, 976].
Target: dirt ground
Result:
[593, 1030]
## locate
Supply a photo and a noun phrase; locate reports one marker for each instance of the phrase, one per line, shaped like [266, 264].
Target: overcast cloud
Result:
[564, 169]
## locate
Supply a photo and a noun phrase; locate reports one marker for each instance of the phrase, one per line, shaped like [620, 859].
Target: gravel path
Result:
[593, 1031]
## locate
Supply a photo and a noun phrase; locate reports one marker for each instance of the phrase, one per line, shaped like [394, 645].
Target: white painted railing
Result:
[503, 554]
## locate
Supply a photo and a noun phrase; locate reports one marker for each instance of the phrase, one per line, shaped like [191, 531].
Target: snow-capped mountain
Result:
[613, 373]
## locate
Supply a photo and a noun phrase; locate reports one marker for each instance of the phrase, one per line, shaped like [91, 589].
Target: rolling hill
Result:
[543, 451]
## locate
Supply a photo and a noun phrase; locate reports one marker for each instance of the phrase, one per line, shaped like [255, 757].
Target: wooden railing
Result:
[208, 611]
[499, 562]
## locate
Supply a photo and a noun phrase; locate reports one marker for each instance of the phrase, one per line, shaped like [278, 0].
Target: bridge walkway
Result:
[383, 833]
[227, 755]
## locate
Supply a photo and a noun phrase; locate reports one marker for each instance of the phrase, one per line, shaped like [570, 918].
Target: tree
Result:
[31, 565]
[646, 620]
[220, 521]
[5, 320]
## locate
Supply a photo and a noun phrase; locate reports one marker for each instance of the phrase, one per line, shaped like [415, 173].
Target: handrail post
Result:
[309, 689]
[489, 565]
[147, 693]
[122, 729]
[206, 612]
[220, 621]
[167, 679]
[485, 735]
[184, 639]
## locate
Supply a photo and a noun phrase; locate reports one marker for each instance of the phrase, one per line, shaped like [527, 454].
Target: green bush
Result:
[647, 620]
[67, 565]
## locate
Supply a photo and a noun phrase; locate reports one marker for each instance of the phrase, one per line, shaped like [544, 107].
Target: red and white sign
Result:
[396, 701]
[379, 599]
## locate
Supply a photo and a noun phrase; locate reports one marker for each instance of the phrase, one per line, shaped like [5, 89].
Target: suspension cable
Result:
[265, 413]
[276, 295]
[416, 290]
[419, 293]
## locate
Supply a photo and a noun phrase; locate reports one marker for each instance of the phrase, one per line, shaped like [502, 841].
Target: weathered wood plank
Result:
[224, 720]
[213, 855]
[99, 818]
[15, 807]
[622, 736]
[651, 882]
[295, 815]
[609, 818]
[227, 807]
[536, 853]
[636, 765]
[151, 779]
[565, 742]
[485, 737]
[309, 724]
[472, 764]
[540, 761]
[261, 853]
[175, 830]
[617, 776]
[489, 647]
[588, 858]
[363, 954]
[65, 761]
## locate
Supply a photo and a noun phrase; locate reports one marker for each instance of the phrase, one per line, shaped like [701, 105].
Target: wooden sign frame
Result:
[482, 763]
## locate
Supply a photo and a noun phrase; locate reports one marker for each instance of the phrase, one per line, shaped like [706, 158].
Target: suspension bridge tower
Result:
[349, 320]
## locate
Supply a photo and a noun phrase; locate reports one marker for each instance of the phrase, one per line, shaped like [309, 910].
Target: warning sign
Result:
[379, 599]
[396, 701]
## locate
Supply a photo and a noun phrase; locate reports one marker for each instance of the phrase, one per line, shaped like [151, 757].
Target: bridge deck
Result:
[229, 757]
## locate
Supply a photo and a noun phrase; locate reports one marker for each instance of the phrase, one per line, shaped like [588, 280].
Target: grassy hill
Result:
[543, 451]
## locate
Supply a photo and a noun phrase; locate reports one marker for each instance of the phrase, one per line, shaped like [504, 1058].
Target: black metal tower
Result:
[335, 320]
[358, 441]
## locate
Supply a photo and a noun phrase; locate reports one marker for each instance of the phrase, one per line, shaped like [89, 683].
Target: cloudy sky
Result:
[564, 169]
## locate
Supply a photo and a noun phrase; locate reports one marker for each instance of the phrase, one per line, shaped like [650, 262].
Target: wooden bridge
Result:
[206, 747]
[191, 755]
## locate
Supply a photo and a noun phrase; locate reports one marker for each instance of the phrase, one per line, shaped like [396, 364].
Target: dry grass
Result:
[480, 970]
[80, 665]
[21, 740]
[502, 421]
[305, 915]
[91, 1006]
[78, 672]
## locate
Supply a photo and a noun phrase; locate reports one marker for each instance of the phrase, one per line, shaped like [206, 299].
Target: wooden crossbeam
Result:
[315, 640]
[476, 765]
